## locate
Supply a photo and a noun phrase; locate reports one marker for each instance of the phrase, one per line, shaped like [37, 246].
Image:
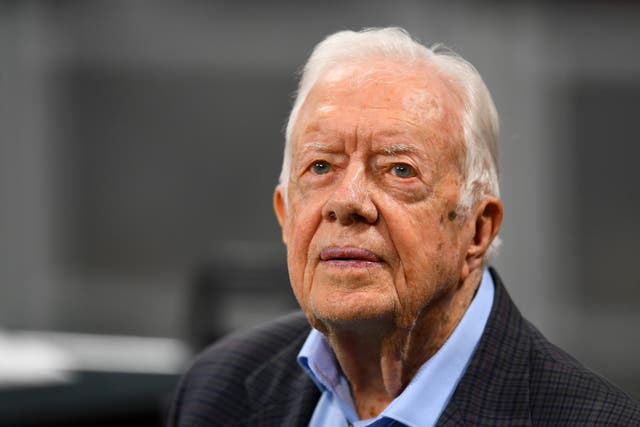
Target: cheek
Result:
[302, 222]
[305, 215]
[425, 252]
[420, 245]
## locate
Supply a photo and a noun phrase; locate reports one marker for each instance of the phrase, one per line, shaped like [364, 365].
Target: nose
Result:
[351, 202]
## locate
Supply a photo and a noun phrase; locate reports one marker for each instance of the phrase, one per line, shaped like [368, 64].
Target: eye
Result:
[403, 170]
[320, 167]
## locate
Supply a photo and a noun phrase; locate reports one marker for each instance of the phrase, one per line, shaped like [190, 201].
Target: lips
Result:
[347, 253]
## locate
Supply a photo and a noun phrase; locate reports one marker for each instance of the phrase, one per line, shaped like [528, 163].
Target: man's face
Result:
[371, 227]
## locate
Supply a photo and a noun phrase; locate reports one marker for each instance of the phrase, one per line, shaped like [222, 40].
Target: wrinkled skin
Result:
[379, 257]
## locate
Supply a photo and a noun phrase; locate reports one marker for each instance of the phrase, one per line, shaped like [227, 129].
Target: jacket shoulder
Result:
[213, 390]
[517, 377]
[564, 392]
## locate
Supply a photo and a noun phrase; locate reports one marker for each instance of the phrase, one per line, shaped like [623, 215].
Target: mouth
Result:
[348, 256]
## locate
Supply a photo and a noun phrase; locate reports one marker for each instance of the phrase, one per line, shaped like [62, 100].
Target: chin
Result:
[351, 308]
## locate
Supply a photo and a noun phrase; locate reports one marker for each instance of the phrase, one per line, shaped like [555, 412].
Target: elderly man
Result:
[389, 207]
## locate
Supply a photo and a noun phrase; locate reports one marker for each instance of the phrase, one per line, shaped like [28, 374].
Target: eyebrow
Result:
[389, 150]
[317, 146]
[395, 149]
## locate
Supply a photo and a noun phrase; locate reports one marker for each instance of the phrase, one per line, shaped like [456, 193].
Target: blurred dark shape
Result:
[157, 163]
[607, 204]
[95, 399]
[608, 153]
[243, 284]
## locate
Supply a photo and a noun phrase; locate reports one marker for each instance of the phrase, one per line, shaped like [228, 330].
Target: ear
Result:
[486, 222]
[280, 208]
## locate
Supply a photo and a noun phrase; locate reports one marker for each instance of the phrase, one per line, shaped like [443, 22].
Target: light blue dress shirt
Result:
[425, 397]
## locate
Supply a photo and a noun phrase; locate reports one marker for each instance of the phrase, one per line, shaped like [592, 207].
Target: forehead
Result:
[379, 96]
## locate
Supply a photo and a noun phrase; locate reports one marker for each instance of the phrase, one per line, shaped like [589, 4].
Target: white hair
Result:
[479, 118]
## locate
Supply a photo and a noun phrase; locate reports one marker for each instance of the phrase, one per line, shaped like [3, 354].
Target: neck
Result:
[379, 358]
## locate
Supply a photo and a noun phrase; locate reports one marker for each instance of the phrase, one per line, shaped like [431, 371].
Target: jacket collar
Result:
[495, 386]
[279, 392]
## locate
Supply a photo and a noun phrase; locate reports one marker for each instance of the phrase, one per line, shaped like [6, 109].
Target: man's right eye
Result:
[320, 167]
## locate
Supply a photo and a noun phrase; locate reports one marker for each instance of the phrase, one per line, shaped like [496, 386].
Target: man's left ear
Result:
[487, 217]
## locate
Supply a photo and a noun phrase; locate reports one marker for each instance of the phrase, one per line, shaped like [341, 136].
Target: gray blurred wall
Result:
[139, 138]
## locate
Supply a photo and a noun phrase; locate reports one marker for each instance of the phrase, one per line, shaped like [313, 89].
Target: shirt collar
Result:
[429, 391]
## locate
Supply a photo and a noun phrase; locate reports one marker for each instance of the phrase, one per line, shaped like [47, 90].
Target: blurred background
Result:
[140, 143]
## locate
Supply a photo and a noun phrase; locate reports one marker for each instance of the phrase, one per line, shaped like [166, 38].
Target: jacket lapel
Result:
[495, 387]
[279, 393]
[295, 408]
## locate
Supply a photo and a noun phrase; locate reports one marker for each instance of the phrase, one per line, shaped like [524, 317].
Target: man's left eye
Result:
[403, 170]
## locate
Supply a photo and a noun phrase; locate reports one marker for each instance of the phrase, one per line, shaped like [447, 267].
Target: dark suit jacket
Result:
[515, 378]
